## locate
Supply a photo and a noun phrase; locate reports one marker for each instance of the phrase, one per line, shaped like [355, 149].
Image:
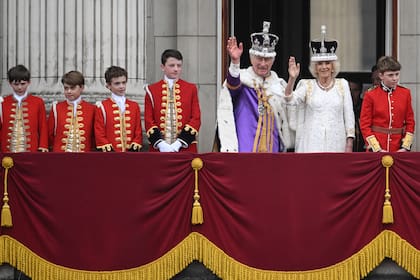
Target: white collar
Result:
[19, 98]
[169, 81]
[386, 88]
[76, 101]
[272, 84]
[120, 100]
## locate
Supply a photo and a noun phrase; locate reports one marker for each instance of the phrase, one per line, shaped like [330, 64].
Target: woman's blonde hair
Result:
[335, 68]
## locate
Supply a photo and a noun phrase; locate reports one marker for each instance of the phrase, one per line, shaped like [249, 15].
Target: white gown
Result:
[323, 119]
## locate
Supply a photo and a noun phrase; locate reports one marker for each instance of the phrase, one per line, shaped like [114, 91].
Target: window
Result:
[353, 23]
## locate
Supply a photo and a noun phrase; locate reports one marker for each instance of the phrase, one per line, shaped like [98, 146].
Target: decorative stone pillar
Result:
[52, 37]
[409, 56]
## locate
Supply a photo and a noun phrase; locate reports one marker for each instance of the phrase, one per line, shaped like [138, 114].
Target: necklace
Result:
[326, 88]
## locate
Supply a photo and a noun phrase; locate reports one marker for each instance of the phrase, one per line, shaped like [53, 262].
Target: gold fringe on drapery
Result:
[37, 268]
[197, 217]
[197, 247]
[387, 213]
[6, 213]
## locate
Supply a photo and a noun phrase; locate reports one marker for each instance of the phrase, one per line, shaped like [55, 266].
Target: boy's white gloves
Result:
[165, 147]
[176, 145]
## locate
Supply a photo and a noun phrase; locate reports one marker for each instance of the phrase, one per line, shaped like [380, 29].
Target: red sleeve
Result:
[138, 134]
[51, 128]
[99, 128]
[149, 119]
[409, 116]
[42, 126]
[195, 121]
[92, 140]
[366, 116]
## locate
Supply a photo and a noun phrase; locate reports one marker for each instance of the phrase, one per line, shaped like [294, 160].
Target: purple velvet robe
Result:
[245, 107]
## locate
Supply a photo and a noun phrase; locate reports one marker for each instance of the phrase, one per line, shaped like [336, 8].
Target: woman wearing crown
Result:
[324, 118]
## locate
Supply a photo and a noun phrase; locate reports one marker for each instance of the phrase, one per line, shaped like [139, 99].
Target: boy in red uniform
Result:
[70, 122]
[387, 118]
[171, 110]
[117, 119]
[23, 126]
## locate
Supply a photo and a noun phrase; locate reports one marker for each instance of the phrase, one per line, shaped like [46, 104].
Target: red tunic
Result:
[122, 132]
[67, 133]
[187, 109]
[33, 125]
[392, 111]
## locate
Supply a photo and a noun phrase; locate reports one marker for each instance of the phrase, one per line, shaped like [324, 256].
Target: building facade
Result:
[52, 37]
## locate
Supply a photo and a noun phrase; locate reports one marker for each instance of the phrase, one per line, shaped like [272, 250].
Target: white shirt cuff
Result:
[234, 70]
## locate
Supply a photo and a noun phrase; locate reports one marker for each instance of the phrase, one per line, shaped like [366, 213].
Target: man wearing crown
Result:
[251, 115]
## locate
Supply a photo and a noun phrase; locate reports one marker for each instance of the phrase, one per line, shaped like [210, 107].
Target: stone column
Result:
[409, 55]
[197, 38]
[52, 37]
[190, 27]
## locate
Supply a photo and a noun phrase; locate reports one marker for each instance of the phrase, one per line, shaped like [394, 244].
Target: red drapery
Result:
[275, 212]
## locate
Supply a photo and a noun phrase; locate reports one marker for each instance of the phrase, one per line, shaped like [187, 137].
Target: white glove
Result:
[176, 145]
[165, 147]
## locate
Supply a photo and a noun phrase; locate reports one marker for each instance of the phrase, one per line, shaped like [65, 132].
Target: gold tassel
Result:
[197, 212]
[387, 213]
[6, 214]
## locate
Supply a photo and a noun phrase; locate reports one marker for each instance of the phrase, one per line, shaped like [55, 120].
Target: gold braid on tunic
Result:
[122, 128]
[74, 140]
[171, 129]
[18, 135]
[263, 141]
